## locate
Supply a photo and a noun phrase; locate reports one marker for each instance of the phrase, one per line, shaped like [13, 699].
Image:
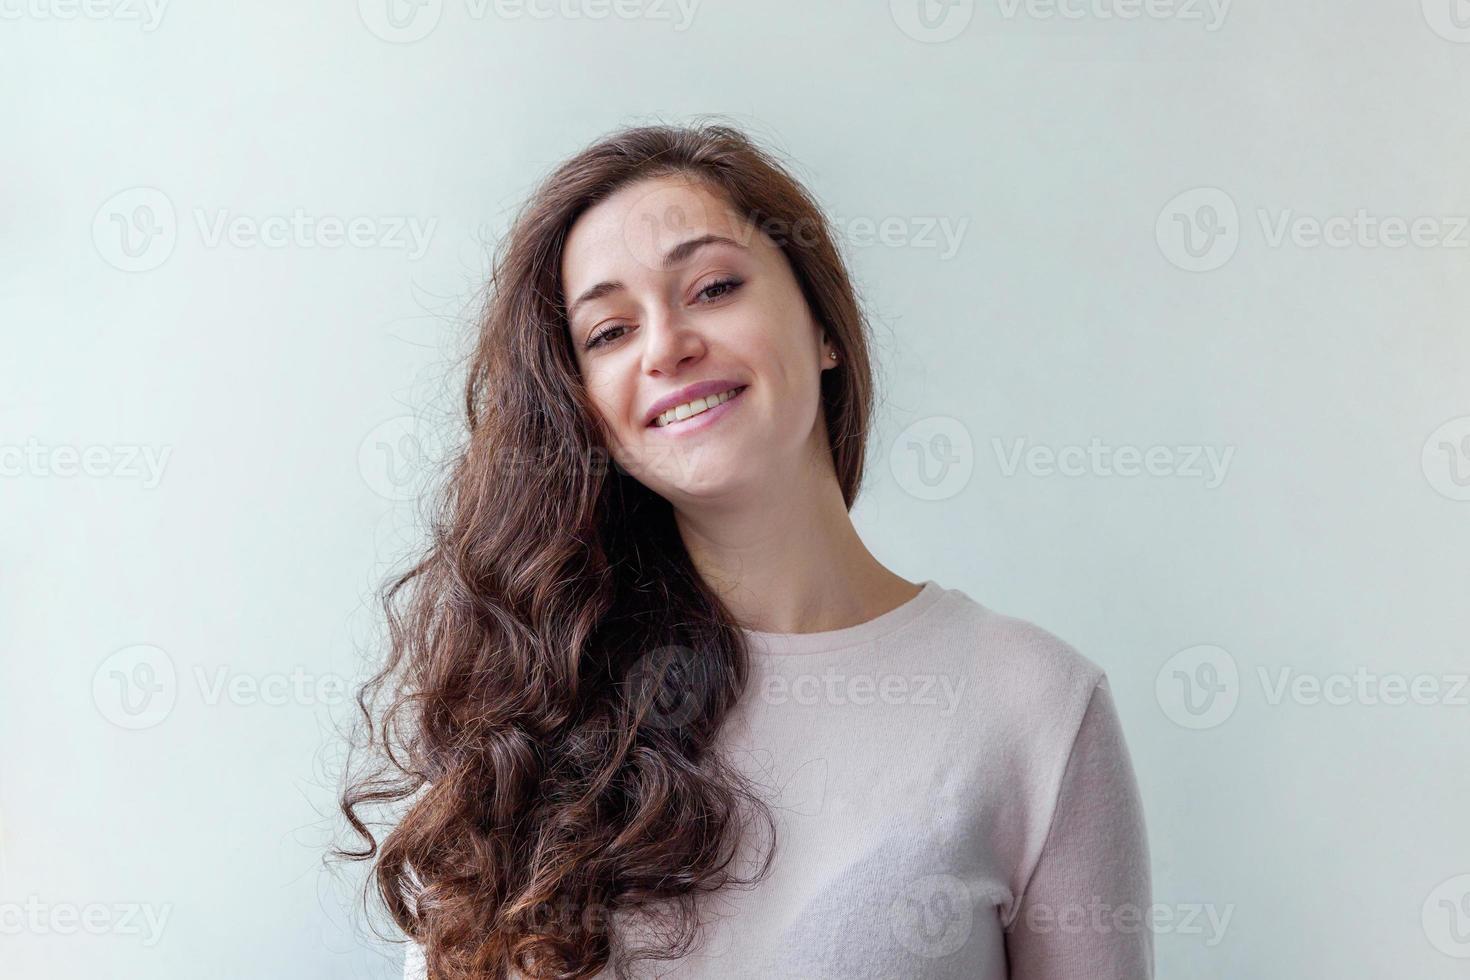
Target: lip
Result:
[689, 393]
[700, 422]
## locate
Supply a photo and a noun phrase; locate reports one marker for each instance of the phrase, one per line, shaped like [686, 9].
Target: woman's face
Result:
[671, 297]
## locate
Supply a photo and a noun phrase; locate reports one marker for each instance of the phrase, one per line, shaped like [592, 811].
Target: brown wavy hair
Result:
[521, 723]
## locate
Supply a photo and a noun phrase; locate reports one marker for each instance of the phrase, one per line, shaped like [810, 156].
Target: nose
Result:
[669, 341]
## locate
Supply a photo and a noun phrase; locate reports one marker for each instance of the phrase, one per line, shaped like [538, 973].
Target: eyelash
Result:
[731, 282]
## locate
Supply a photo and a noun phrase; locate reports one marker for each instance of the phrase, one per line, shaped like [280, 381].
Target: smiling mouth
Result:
[695, 409]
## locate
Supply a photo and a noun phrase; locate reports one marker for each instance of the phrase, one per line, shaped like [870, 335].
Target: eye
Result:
[720, 288]
[597, 340]
[723, 287]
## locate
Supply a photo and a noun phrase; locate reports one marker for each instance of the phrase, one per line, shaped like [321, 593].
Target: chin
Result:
[703, 468]
[706, 478]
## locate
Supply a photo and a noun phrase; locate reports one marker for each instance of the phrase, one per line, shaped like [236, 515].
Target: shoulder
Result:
[1026, 691]
[1015, 662]
[1036, 702]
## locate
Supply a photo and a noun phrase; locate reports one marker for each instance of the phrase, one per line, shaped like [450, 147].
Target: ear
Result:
[826, 352]
[830, 357]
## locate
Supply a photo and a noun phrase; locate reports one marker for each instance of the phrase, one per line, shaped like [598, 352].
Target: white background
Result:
[279, 386]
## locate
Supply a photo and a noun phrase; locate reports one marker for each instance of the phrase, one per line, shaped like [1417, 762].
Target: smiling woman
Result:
[622, 696]
[673, 284]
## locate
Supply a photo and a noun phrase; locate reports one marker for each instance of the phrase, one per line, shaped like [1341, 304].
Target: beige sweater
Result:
[953, 799]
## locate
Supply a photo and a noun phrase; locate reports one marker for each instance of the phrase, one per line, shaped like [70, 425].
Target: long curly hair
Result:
[543, 726]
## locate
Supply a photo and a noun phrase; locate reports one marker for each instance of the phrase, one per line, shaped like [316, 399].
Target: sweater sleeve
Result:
[1085, 909]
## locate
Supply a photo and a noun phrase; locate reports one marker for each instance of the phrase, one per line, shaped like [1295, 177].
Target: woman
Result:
[650, 700]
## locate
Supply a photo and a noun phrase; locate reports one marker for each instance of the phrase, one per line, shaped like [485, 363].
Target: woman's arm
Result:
[1085, 910]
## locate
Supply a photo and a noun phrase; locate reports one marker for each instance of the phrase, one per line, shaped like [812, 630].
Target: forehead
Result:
[628, 233]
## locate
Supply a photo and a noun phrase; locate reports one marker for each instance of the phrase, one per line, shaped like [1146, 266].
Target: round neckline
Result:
[783, 644]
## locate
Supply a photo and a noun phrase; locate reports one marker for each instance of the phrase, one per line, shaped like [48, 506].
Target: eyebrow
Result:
[671, 258]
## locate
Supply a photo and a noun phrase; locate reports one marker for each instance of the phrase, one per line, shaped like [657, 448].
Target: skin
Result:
[755, 495]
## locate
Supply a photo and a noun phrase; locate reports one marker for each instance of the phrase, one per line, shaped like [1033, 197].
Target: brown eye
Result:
[606, 336]
[722, 288]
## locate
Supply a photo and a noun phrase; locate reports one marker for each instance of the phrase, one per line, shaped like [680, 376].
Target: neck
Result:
[786, 557]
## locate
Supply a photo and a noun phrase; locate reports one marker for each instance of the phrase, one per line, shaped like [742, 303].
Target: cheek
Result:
[757, 327]
[776, 343]
[784, 321]
[611, 400]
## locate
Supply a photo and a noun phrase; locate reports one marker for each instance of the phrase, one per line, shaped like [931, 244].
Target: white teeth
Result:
[681, 412]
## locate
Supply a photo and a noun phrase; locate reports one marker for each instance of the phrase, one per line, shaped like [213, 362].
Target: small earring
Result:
[832, 354]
